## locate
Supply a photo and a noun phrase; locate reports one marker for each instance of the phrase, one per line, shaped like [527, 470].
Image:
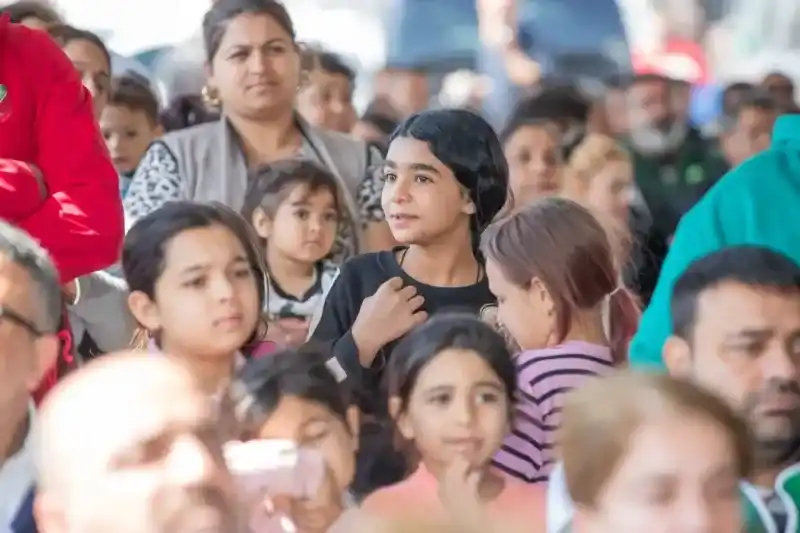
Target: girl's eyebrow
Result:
[199, 267]
[413, 166]
[491, 384]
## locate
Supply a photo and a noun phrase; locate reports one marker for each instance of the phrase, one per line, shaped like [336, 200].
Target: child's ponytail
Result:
[621, 319]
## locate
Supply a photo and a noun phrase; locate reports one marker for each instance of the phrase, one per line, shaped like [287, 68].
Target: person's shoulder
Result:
[35, 49]
[343, 146]
[767, 175]
[193, 140]
[523, 500]
[388, 500]
[193, 134]
[335, 139]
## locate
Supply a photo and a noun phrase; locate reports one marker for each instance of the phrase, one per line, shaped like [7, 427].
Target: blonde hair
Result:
[592, 154]
[589, 157]
[601, 418]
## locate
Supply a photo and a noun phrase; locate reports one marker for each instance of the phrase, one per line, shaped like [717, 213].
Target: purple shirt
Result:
[544, 377]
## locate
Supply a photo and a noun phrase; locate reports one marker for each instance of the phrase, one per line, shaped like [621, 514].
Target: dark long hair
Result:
[456, 331]
[262, 383]
[467, 145]
[143, 253]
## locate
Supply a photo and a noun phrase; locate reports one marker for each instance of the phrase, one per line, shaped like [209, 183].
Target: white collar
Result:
[17, 475]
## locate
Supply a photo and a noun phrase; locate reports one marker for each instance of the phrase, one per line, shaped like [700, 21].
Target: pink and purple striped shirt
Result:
[544, 377]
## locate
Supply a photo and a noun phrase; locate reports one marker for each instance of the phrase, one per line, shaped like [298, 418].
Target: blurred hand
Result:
[70, 291]
[458, 492]
[497, 21]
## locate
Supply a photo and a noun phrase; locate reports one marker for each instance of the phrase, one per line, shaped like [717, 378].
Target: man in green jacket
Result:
[674, 166]
[758, 203]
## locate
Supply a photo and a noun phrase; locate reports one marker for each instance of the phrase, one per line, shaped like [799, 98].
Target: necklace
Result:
[478, 274]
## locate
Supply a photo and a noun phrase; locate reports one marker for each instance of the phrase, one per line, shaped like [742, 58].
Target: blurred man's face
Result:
[750, 135]
[746, 347]
[155, 468]
[649, 104]
[653, 128]
[25, 354]
[781, 88]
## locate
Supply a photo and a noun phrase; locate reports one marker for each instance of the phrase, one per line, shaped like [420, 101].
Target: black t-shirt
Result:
[358, 279]
[378, 464]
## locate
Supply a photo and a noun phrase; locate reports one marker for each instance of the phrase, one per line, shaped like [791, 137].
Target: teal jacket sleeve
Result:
[698, 234]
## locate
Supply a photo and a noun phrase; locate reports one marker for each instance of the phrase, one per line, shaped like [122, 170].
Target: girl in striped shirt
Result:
[550, 266]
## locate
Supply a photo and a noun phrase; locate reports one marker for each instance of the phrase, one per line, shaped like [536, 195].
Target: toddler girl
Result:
[294, 208]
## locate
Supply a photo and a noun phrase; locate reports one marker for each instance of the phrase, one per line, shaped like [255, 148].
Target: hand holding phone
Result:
[275, 467]
[270, 472]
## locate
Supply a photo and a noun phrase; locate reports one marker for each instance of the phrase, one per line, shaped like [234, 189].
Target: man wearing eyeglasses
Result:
[30, 311]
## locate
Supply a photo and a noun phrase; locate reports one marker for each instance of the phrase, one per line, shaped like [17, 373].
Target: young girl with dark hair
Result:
[197, 287]
[295, 209]
[291, 395]
[551, 268]
[445, 179]
[451, 388]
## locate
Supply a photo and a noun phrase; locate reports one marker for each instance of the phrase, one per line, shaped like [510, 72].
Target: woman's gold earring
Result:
[210, 97]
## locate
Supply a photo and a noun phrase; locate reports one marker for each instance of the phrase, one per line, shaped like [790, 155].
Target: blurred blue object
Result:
[580, 41]
[705, 108]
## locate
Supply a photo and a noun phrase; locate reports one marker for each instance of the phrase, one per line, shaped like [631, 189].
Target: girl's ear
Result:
[541, 296]
[469, 206]
[261, 223]
[400, 418]
[354, 422]
[144, 310]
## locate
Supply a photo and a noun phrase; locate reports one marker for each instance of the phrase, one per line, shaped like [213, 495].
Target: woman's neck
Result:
[449, 263]
[213, 374]
[267, 141]
[587, 326]
[290, 275]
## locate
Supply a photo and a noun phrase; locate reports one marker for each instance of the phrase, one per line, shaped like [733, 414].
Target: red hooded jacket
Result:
[56, 179]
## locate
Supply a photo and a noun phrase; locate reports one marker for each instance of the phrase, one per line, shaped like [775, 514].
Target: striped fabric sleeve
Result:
[543, 381]
[521, 454]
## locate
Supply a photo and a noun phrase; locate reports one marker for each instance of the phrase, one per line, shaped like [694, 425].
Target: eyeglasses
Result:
[18, 319]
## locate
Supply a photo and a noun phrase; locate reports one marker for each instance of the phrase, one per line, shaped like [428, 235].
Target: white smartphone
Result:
[275, 467]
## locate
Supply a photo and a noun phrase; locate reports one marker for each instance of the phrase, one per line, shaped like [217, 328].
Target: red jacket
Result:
[56, 179]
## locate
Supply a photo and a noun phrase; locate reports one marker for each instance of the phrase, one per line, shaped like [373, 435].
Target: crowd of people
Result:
[257, 310]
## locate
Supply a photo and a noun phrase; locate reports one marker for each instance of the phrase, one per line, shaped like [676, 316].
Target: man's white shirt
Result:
[17, 476]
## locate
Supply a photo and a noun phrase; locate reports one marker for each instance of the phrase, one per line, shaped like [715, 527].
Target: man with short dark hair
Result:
[736, 320]
[30, 311]
[736, 330]
[674, 166]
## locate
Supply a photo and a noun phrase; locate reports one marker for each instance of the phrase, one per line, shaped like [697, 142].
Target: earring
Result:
[210, 97]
